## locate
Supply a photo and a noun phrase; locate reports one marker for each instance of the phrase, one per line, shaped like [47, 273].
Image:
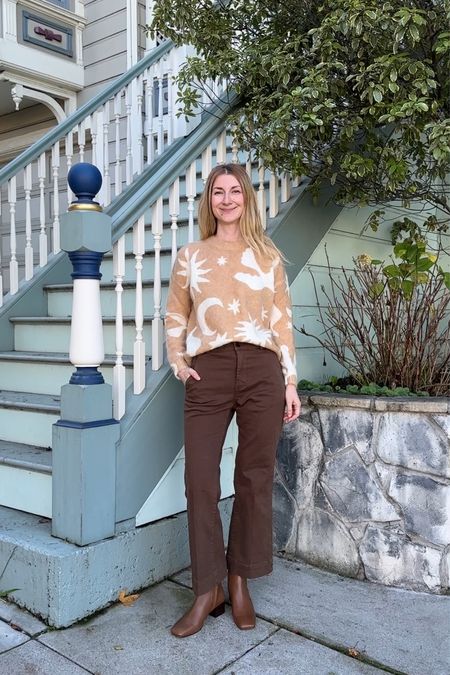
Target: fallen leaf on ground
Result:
[127, 599]
[353, 652]
[118, 648]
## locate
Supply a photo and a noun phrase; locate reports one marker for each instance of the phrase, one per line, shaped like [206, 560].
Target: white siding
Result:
[104, 45]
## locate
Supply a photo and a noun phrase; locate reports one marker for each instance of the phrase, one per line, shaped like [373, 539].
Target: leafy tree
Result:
[352, 92]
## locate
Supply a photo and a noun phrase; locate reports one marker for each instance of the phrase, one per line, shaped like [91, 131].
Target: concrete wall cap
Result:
[378, 403]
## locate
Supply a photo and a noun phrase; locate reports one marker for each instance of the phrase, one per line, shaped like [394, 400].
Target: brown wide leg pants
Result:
[248, 380]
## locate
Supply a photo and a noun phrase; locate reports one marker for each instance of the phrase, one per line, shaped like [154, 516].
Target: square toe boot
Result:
[241, 603]
[210, 603]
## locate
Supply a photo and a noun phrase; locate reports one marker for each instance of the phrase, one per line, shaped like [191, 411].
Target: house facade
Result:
[82, 82]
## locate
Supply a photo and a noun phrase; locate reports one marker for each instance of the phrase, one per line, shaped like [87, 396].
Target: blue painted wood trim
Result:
[58, 132]
[85, 425]
[86, 264]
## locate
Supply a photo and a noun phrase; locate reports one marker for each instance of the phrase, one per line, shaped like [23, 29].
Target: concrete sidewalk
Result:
[310, 622]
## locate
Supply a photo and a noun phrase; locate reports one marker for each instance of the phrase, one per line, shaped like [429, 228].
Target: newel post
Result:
[84, 439]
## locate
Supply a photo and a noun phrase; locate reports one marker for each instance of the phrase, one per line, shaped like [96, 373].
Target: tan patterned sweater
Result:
[223, 292]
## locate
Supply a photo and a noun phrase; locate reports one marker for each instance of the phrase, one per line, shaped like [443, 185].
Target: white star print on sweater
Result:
[210, 304]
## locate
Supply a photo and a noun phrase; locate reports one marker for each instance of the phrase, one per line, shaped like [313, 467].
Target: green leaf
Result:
[414, 32]
[407, 287]
[446, 276]
[391, 271]
[424, 264]
[376, 290]
[4, 594]
[378, 95]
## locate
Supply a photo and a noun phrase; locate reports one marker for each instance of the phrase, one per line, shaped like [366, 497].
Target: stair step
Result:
[17, 400]
[49, 373]
[25, 477]
[28, 417]
[41, 333]
[28, 457]
[148, 266]
[60, 297]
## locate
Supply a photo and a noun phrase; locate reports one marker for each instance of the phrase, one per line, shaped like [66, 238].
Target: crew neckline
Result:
[225, 245]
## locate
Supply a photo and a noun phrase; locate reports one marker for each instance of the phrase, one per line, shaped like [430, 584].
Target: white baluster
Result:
[174, 212]
[69, 157]
[13, 265]
[98, 150]
[149, 114]
[157, 324]
[129, 155]
[106, 175]
[248, 164]
[191, 193]
[221, 152]
[296, 180]
[27, 184]
[117, 167]
[82, 139]
[94, 139]
[285, 187]
[139, 345]
[160, 110]
[273, 195]
[234, 148]
[139, 126]
[55, 170]
[262, 195]
[119, 382]
[43, 231]
[206, 162]
[170, 97]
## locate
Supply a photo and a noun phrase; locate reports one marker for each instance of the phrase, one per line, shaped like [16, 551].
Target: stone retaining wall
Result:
[362, 488]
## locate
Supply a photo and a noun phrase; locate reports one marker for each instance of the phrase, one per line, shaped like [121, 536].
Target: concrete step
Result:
[25, 477]
[28, 417]
[59, 297]
[46, 373]
[52, 333]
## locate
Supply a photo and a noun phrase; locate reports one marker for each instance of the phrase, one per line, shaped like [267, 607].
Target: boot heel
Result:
[218, 611]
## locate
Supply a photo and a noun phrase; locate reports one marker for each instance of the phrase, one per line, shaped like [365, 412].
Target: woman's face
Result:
[227, 200]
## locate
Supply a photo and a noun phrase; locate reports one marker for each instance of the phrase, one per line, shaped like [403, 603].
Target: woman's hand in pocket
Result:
[185, 373]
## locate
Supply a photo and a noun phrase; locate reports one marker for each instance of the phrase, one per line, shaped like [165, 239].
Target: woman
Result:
[230, 341]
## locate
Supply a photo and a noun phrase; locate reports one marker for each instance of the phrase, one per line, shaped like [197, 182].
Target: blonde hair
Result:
[250, 223]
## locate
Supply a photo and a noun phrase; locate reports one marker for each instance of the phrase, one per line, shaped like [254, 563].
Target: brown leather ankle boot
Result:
[241, 602]
[212, 602]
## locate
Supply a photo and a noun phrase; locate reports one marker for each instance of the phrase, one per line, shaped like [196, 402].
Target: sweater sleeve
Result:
[177, 313]
[281, 325]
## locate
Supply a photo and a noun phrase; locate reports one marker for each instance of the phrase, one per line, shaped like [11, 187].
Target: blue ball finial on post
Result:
[85, 181]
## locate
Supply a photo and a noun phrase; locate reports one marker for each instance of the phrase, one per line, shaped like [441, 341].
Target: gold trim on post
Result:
[90, 206]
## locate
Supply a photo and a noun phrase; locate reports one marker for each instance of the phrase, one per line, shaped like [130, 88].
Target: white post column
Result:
[84, 439]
